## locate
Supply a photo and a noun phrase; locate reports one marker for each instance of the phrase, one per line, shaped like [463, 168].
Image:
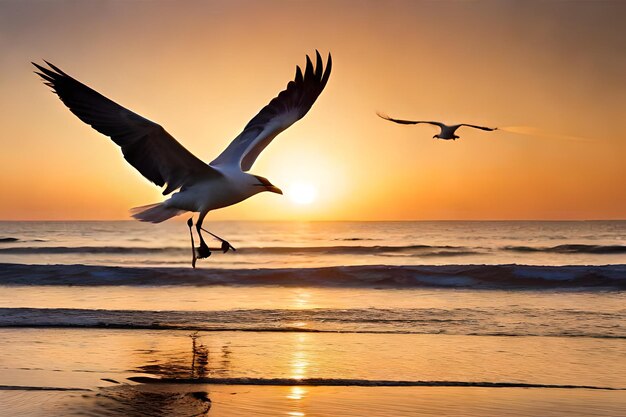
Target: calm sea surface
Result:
[315, 244]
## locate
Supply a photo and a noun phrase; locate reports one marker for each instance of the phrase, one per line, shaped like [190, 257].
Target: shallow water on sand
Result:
[246, 401]
[101, 360]
[597, 314]
[88, 355]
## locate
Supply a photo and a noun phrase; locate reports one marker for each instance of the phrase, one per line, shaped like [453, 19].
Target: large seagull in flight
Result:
[163, 160]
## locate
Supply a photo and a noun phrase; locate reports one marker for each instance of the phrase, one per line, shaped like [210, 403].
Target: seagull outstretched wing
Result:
[489, 129]
[409, 122]
[145, 145]
[284, 110]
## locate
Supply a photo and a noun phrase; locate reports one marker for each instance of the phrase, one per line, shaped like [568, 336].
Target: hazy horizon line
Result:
[319, 221]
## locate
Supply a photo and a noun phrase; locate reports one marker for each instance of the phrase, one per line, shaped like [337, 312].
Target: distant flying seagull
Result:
[164, 161]
[447, 131]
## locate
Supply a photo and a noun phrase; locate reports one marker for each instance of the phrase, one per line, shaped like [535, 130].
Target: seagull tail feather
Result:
[154, 213]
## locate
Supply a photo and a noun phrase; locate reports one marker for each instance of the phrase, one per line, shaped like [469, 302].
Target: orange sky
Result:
[202, 70]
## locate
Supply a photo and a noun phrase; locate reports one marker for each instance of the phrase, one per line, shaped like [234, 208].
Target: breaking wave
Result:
[572, 248]
[374, 276]
[449, 321]
[374, 250]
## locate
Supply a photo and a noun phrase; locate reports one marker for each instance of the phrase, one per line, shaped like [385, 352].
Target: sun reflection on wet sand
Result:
[301, 299]
[299, 363]
[296, 393]
[299, 366]
[300, 359]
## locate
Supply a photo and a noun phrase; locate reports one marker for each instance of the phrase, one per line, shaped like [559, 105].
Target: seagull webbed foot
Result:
[203, 250]
[227, 246]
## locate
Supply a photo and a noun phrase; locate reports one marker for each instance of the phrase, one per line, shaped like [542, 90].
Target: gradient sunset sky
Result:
[203, 69]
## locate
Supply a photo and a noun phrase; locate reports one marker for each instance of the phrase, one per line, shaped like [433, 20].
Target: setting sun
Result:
[301, 193]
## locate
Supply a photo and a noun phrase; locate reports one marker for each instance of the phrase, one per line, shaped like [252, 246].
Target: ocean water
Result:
[115, 307]
[317, 244]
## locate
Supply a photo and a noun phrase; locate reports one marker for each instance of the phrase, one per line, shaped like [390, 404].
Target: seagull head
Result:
[263, 184]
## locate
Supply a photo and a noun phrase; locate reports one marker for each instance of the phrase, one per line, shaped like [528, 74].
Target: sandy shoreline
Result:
[237, 400]
[66, 372]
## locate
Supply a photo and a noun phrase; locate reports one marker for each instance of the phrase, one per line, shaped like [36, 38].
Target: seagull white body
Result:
[164, 161]
[448, 132]
[231, 188]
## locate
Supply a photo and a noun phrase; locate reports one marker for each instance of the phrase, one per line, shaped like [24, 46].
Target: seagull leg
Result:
[203, 249]
[226, 246]
[193, 250]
